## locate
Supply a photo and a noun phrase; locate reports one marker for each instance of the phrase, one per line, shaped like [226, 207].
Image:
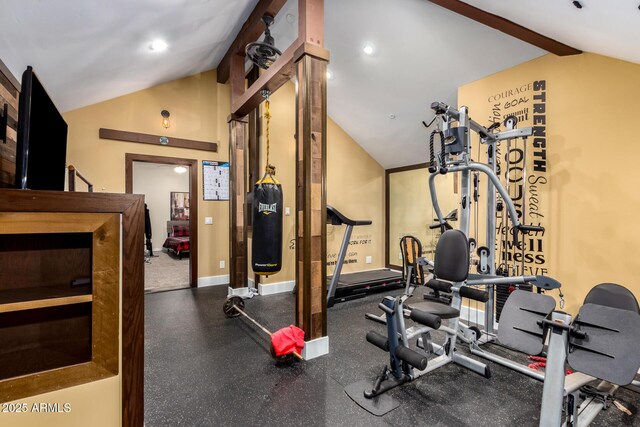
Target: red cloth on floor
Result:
[287, 340]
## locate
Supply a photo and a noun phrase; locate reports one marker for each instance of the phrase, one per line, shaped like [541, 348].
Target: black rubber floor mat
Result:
[378, 406]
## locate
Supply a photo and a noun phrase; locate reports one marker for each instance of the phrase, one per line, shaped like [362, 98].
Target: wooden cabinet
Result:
[66, 261]
[59, 300]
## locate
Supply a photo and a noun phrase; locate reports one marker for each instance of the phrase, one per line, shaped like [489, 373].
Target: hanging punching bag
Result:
[266, 251]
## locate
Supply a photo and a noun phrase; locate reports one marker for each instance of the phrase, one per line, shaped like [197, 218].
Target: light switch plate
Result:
[208, 220]
[287, 211]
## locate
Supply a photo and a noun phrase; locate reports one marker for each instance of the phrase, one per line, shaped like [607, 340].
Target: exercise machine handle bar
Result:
[524, 228]
[517, 225]
[335, 217]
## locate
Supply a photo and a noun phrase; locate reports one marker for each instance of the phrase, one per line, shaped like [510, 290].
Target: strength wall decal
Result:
[523, 169]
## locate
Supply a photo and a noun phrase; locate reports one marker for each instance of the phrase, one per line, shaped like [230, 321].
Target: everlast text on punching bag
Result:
[266, 252]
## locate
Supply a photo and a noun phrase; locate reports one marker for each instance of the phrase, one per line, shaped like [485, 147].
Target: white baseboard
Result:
[275, 288]
[315, 348]
[213, 280]
[470, 314]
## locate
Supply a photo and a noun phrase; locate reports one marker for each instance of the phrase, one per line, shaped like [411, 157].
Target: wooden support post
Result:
[237, 189]
[311, 167]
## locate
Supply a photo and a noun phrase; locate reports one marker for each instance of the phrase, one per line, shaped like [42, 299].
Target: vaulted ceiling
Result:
[89, 51]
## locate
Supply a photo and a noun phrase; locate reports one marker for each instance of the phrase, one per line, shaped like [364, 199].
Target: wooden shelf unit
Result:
[50, 328]
[129, 211]
[42, 297]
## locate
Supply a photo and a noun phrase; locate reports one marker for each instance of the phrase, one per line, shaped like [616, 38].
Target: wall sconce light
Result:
[165, 119]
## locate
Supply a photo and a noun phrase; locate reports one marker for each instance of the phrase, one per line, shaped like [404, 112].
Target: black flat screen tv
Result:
[42, 138]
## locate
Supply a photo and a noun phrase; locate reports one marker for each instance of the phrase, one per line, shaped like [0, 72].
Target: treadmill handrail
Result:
[333, 212]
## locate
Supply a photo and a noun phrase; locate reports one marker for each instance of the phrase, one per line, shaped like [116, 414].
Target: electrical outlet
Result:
[221, 263]
[368, 260]
[287, 211]
[208, 220]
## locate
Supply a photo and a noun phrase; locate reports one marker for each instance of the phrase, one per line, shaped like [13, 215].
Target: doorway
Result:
[170, 188]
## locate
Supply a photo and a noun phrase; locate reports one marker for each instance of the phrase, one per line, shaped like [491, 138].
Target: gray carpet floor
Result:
[202, 369]
[166, 272]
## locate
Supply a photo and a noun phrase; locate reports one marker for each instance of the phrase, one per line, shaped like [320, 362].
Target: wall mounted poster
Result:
[215, 180]
[179, 203]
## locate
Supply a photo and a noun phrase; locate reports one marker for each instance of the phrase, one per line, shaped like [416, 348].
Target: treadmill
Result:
[344, 287]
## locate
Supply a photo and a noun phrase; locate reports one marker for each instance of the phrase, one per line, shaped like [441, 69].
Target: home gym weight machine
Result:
[407, 363]
[455, 157]
[601, 343]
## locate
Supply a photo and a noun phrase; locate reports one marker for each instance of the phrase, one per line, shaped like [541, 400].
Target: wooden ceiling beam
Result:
[273, 78]
[508, 27]
[250, 31]
[281, 71]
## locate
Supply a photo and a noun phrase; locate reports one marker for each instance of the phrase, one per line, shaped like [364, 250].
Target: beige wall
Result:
[355, 186]
[199, 108]
[156, 182]
[592, 197]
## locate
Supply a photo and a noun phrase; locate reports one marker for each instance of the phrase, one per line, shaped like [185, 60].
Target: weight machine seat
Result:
[441, 310]
[612, 295]
[334, 217]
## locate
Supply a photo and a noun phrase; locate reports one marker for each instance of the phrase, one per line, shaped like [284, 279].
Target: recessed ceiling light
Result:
[180, 169]
[158, 45]
[290, 18]
[368, 49]
[329, 75]
[392, 116]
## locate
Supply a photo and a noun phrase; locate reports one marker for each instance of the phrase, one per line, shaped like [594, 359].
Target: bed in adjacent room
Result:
[177, 241]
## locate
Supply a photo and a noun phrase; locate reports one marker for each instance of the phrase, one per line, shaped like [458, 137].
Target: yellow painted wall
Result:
[199, 108]
[355, 186]
[592, 147]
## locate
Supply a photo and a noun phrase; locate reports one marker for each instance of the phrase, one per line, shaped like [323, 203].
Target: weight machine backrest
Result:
[411, 250]
[611, 349]
[612, 295]
[451, 259]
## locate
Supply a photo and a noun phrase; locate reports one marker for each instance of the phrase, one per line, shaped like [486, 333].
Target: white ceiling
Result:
[610, 28]
[89, 51]
[423, 54]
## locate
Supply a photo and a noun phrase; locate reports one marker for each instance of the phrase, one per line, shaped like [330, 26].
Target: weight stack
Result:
[503, 292]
